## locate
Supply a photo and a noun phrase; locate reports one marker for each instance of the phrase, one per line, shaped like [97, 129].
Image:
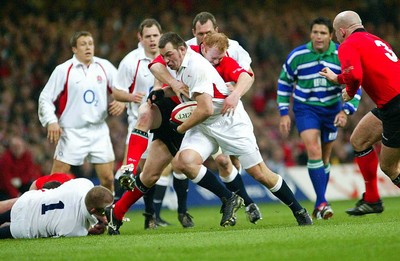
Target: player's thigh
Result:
[367, 132]
[159, 158]
[104, 170]
[60, 167]
[312, 141]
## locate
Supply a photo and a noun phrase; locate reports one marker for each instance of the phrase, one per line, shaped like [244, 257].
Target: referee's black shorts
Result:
[165, 133]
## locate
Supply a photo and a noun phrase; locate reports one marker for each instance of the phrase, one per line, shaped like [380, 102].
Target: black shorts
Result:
[375, 111]
[390, 117]
[165, 133]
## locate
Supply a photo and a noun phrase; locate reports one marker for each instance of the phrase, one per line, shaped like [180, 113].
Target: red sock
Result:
[368, 165]
[125, 202]
[138, 142]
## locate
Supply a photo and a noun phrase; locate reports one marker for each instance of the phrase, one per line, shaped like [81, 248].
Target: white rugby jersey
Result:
[201, 77]
[76, 95]
[53, 213]
[134, 76]
[235, 51]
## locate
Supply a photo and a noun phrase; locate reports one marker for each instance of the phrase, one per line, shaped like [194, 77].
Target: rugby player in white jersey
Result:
[203, 24]
[208, 128]
[75, 208]
[73, 107]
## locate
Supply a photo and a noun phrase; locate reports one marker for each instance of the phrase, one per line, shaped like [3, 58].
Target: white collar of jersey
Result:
[76, 62]
[189, 53]
[142, 55]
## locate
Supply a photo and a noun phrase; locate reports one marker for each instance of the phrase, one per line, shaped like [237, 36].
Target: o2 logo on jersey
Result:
[90, 97]
[389, 52]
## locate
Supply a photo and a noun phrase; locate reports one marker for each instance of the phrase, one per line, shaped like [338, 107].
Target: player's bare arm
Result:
[242, 86]
[329, 74]
[161, 73]
[346, 97]
[124, 96]
[116, 108]
[284, 125]
[203, 110]
[340, 119]
[53, 132]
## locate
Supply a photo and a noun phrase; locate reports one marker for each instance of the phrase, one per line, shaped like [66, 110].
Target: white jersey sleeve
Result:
[201, 77]
[134, 76]
[238, 53]
[59, 212]
[51, 91]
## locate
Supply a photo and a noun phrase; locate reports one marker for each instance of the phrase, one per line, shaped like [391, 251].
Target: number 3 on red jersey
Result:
[389, 52]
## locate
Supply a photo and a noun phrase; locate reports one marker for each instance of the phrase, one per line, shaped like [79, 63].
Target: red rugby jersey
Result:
[370, 62]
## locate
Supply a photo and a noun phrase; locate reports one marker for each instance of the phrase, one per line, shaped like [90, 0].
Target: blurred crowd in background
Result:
[34, 39]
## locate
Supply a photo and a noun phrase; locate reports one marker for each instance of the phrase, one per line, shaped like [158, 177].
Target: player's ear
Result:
[203, 48]
[139, 36]
[342, 32]
[181, 49]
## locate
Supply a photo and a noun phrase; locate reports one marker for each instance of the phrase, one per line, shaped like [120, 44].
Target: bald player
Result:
[370, 61]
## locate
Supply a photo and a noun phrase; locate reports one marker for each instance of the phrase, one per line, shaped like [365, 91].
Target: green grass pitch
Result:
[276, 237]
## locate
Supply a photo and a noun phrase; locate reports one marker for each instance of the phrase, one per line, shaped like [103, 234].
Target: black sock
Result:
[5, 217]
[238, 187]
[181, 187]
[210, 182]
[396, 181]
[148, 200]
[287, 197]
[5, 232]
[159, 194]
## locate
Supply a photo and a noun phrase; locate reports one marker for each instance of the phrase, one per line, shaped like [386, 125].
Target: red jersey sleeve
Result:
[230, 70]
[158, 59]
[60, 177]
[352, 72]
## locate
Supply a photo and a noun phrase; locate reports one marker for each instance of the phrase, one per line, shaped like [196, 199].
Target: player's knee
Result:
[223, 162]
[183, 161]
[145, 119]
[314, 151]
[358, 144]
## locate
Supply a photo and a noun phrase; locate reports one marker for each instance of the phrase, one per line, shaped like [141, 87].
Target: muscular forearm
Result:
[122, 96]
[162, 74]
[243, 84]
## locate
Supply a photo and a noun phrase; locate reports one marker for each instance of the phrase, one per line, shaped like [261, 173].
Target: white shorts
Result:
[131, 126]
[233, 134]
[92, 143]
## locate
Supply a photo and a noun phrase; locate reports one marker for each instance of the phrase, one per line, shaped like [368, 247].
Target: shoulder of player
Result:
[65, 65]
[134, 55]
[106, 64]
[78, 183]
[131, 59]
[97, 59]
[298, 53]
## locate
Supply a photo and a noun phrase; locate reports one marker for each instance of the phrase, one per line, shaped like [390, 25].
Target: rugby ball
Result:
[183, 111]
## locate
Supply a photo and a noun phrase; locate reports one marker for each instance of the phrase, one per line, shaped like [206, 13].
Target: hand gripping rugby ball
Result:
[183, 111]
